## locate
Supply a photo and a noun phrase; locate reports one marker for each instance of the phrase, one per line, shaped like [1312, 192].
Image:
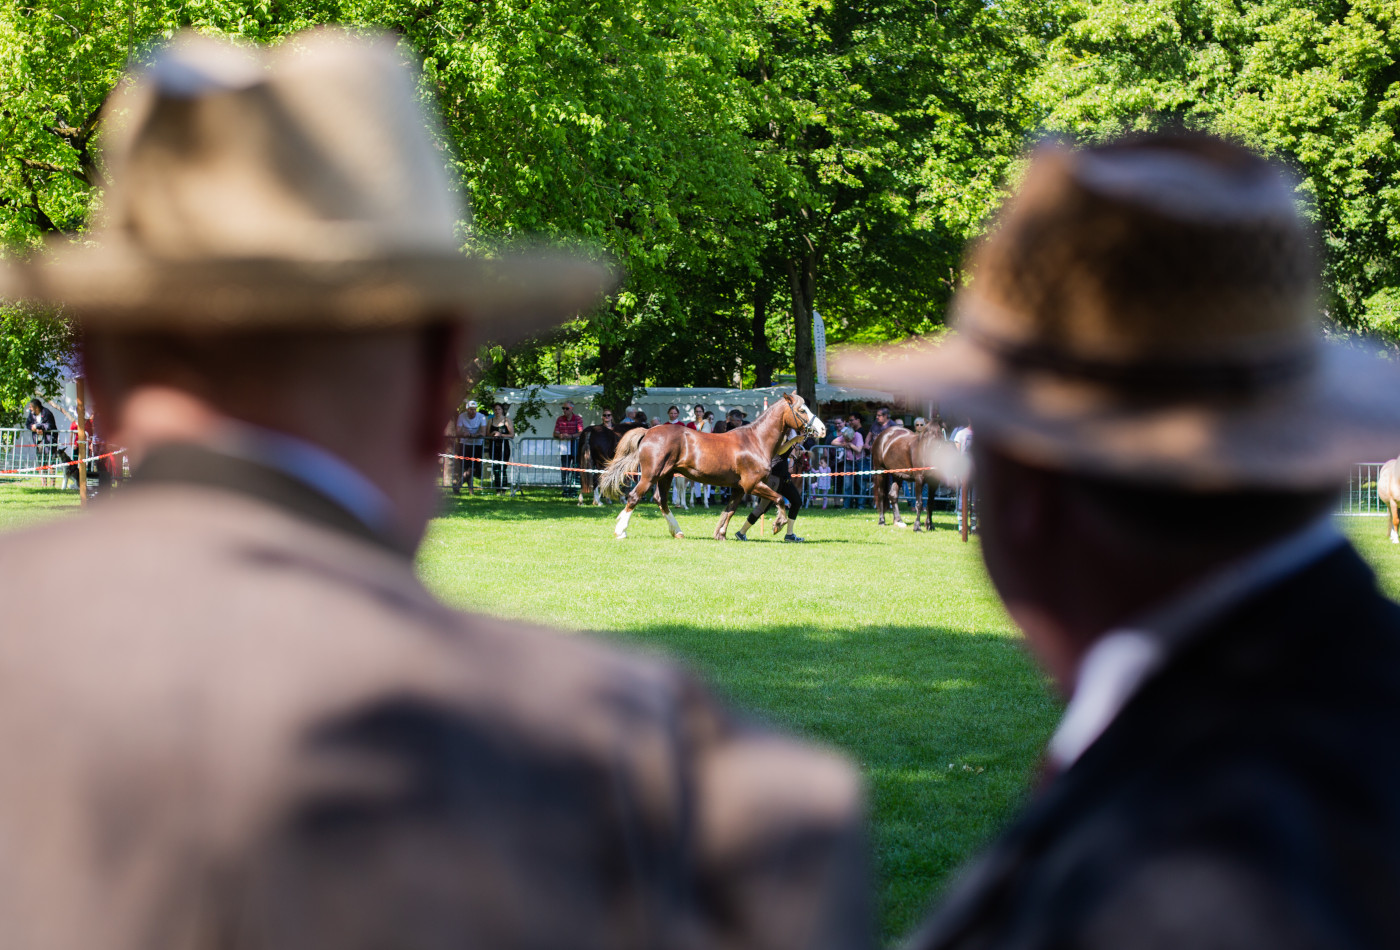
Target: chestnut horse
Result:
[739, 458]
[1388, 489]
[897, 447]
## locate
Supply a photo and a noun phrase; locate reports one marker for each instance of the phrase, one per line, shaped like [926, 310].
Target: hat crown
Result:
[317, 149]
[1175, 249]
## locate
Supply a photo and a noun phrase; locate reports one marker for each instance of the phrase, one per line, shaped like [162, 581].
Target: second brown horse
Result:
[923, 458]
[738, 458]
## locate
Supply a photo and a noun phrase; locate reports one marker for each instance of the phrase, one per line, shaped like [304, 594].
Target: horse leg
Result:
[663, 486]
[634, 498]
[919, 504]
[758, 512]
[733, 505]
[896, 486]
[880, 498]
[1394, 523]
[770, 498]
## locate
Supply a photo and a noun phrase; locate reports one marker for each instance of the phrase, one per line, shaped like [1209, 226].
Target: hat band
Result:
[1221, 377]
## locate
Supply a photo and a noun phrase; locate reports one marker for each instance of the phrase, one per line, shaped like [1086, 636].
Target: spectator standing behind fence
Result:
[852, 445]
[967, 494]
[471, 430]
[502, 430]
[862, 463]
[567, 428]
[882, 422]
[703, 422]
[43, 428]
[824, 479]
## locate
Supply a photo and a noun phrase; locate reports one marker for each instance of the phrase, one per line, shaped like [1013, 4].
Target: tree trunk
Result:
[616, 394]
[801, 274]
[762, 355]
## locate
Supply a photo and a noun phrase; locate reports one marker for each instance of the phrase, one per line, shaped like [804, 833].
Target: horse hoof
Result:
[678, 535]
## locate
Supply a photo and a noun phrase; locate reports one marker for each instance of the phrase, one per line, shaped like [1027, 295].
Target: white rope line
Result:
[599, 471]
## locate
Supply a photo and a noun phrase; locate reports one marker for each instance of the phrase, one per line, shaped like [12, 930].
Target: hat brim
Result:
[1303, 436]
[507, 298]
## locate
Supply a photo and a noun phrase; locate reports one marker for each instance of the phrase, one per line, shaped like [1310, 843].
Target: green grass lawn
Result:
[886, 644]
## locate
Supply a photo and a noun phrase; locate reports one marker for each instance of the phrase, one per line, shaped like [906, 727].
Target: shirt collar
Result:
[312, 466]
[1120, 662]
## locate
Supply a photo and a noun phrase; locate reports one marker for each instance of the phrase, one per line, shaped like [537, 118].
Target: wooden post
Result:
[80, 443]
[966, 506]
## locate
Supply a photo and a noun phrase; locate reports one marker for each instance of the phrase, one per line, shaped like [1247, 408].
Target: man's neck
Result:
[1171, 593]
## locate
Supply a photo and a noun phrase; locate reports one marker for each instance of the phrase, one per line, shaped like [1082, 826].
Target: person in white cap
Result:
[471, 433]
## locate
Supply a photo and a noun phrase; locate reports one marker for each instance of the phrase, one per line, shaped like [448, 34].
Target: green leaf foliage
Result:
[1313, 83]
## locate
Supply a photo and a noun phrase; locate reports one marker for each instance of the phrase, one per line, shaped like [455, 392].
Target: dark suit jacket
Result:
[48, 428]
[1247, 798]
[260, 731]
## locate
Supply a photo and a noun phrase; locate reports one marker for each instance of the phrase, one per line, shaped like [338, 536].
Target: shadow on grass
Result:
[947, 727]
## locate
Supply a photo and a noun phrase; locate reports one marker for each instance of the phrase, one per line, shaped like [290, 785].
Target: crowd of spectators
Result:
[840, 471]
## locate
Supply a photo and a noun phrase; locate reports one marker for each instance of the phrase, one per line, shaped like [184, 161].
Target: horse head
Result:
[799, 416]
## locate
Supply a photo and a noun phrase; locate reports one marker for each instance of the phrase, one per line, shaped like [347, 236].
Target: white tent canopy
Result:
[658, 398]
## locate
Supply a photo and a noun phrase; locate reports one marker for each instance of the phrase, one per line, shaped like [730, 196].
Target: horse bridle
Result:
[806, 428]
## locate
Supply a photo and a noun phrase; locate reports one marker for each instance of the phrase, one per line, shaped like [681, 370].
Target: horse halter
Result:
[806, 424]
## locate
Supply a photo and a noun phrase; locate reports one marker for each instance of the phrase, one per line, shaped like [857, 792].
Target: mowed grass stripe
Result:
[886, 644]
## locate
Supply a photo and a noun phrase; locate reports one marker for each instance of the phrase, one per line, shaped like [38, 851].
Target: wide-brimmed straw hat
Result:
[297, 186]
[1148, 310]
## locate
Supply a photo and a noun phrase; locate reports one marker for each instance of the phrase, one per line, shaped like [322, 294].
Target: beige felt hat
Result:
[287, 187]
[1148, 310]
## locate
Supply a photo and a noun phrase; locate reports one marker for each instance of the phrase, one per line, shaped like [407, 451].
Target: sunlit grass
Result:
[886, 644]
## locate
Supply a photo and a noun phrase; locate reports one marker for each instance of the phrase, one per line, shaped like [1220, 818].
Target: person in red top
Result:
[567, 428]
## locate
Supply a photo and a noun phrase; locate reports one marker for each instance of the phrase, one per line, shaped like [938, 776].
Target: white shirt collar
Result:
[311, 465]
[1117, 665]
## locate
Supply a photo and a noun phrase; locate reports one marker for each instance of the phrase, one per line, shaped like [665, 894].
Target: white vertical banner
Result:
[819, 345]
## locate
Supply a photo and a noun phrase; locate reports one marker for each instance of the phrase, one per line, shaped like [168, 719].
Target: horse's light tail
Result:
[628, 451]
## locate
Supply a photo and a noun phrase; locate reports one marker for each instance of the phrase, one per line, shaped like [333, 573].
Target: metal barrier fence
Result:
[551, 454]
[19, 452]
[1360, 497]
[852, 482]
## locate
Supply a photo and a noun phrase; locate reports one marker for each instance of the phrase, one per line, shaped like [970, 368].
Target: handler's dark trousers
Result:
[790, 492]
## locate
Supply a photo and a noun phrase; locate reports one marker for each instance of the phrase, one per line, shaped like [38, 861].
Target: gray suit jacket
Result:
[255, 728]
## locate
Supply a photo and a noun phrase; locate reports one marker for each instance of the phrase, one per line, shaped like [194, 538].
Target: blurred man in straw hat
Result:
[1161, 432]
[283, 740]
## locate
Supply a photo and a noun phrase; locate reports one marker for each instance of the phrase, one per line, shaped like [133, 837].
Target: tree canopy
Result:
[748, 160]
